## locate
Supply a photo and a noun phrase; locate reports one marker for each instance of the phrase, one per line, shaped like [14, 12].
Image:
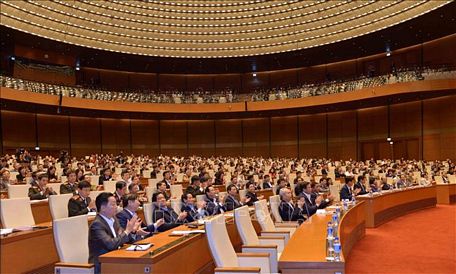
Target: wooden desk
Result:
[446, 194]
[29, 252]
[187, 254]
[306, 250]
[41, 212]
[391, 204]
[266, 193]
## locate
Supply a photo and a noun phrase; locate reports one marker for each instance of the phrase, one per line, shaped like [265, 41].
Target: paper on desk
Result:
[4, 231]
[91, 213]
[38, 201]
[228, 214]
[321, 212]
[139, 247]
[186, 232]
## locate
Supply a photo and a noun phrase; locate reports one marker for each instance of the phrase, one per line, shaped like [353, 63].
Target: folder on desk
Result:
[186, 232]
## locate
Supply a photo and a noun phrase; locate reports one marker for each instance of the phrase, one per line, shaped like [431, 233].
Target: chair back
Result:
[274, 202]
[200, 197]
[334, 190]
[58, 205]
[176, 205]
[176, 191]
[263, 216]
[72, 249]
[147, 207]
[245, 227]
[18, 191]
[16, 212]
[94, 193]
[452, 179]
[242, 193]
[219, 243]
[109, 186]
[439, 180]
[55, 187]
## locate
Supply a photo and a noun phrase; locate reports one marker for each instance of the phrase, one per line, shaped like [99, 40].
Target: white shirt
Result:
[111, 224]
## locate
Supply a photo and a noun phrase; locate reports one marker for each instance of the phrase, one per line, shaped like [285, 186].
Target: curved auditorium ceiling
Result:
[206, 29]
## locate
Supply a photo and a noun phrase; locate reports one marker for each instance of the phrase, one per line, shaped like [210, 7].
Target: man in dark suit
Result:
[81, 203]
[71, 185]
[105, 233]
[361, 185]
[162, 211]
[231, 201]
[312, 203]
[347, 192]
[131, 204]
[195, 187]
[105, 177]
[288, 210]
[121, 190]
[267, 182]
[194, 210]
[214, 204]
[252, 194]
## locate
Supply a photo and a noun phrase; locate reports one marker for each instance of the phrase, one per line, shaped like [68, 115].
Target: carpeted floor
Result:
[420, 242]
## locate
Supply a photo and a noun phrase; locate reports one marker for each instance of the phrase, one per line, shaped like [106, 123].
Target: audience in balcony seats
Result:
[195, 210]
[130, 204]
[347, 192]
[289, 211]
[71, 186]
[81, 203]
[251, 194]
[161, 210]
[161, 188]
[105, 177]
[267, 182]
[195, 187]
[105, 233]
[121, 190]
[361, 185]
[214, 204]
[231, 201]
[40, 191]
[312, 202]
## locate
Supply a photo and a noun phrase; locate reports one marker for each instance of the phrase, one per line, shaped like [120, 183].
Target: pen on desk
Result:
[136, 247]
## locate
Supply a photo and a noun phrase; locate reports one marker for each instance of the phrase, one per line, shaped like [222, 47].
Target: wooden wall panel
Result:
[250, 83]
[168, 82]
[228, 137]
[143, 81]
[256, 137]
[53, 132]
[115, 136]
[114, 80]
[373, 123]
[18, 130]
[201, 138]
[283, 78]
[144, 137]
[199, 82]
[284, 136]
[406, 126]
[342, 135]
[312, 136]
[85, 136]
[173, 138]
[231, 81]
[439, 128]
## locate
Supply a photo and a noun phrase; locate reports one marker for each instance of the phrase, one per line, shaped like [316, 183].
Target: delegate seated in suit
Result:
[361, 185]
[40, 191]
[131, 203]
[105, 232]
[162, 211]
[214, 203]
[312, 202]
[288, 210]
[71, 185]
[347, 192]
[267, 182]
[231, 202]
[194, 210]
[195, 187]
[81, 203]
[252, 194]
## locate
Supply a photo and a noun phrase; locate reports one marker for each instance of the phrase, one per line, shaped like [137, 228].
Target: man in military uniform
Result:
[40, 191]
[81, 203]
[71, 185]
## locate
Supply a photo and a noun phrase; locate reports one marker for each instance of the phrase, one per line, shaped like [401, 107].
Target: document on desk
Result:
[186, 232]
[141, 247]
[4, 231]
[38, 201]
[91, 213]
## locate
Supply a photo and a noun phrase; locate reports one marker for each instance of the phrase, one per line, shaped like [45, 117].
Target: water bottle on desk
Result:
[337, 249]
[338, 212]
[329, 243]
[335, 221]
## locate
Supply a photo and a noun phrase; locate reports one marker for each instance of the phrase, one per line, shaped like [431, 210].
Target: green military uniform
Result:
[36, 193]
[78, 206]
[68, 188]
